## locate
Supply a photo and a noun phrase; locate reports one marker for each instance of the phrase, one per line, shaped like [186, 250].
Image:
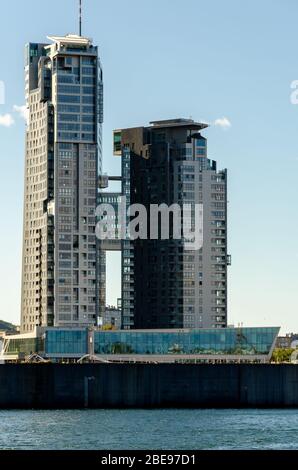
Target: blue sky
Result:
[173, 58]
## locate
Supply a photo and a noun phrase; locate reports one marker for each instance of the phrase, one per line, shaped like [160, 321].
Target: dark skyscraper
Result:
[165, 285]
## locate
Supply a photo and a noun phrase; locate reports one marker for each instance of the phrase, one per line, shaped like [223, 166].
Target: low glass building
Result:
[229, 341]
[202, 345]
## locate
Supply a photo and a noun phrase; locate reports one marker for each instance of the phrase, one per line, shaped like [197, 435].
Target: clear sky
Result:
[179, 58]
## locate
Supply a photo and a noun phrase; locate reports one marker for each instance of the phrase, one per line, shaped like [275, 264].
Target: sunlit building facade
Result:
[64, 96]
[201, 345]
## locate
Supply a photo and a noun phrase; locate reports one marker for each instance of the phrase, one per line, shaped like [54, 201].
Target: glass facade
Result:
[24, 346]
[230, 341]
[68, 343]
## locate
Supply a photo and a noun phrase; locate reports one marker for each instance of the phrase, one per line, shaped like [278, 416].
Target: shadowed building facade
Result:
[165, 284]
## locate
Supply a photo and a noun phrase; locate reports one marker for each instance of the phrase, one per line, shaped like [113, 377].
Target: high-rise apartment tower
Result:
[64, 96]
[165, 285]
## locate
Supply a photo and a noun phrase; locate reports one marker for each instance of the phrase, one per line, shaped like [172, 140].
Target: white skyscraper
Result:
[64, 95]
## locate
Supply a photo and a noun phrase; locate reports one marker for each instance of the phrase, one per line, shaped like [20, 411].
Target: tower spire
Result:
[80, 17]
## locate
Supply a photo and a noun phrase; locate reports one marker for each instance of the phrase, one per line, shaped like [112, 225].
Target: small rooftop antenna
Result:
[80, 17]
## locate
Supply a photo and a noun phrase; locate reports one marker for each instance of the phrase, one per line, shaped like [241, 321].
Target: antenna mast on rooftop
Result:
[80, 17]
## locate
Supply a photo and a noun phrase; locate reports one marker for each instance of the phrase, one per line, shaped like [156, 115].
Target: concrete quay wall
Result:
[148, 385]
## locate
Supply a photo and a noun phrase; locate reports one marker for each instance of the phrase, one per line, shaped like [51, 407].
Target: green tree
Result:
[108, 327]
[282, 355]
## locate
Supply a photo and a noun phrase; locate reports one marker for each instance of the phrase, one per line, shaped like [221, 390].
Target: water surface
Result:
[149, 429]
